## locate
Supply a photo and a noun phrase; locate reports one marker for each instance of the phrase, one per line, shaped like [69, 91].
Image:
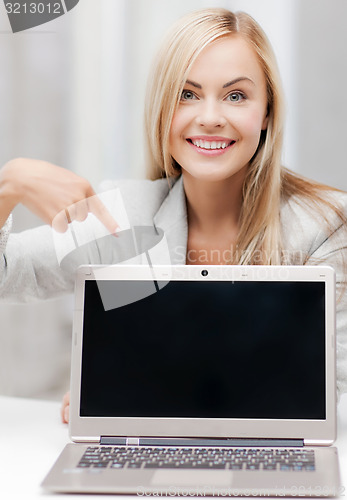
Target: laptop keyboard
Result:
[120, 457]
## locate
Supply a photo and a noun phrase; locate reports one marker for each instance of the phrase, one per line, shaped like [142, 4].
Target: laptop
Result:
[191, 380]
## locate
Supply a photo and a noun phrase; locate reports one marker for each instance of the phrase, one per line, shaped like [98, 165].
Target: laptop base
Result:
[65, 477]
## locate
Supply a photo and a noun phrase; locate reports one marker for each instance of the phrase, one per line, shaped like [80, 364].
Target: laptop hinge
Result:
[147, 441]
[122, 441]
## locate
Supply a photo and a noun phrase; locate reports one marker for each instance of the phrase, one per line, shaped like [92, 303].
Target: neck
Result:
[213, 206]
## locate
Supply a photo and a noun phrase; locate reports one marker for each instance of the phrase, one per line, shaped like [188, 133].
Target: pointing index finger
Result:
[97, 207]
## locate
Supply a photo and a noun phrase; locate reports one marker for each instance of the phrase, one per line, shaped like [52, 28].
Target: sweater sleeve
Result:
[330, 248]
[4, 233]
[29, 267]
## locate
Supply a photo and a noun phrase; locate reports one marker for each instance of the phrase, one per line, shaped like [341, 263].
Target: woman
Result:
[214, 127]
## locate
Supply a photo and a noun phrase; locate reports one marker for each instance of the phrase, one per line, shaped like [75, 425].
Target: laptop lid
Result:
[209, 352]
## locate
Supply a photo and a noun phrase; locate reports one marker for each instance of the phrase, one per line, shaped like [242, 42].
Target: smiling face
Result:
[216, 128]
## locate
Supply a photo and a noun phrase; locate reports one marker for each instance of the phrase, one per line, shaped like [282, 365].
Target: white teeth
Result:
[210, 145]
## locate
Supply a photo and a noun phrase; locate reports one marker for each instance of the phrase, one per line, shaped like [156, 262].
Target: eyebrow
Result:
[228, 84]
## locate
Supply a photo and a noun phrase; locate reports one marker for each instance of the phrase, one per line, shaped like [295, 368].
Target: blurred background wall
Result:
[72, 92]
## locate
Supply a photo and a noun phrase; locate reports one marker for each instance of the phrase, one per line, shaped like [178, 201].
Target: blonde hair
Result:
[266, 182]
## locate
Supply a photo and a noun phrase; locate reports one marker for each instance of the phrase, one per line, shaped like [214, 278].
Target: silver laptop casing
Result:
[84, 429]
[323, 482]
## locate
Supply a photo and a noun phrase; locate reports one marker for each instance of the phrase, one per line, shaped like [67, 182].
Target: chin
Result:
[209, 175]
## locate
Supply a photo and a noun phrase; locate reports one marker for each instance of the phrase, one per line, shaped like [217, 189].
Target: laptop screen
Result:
[204, 349]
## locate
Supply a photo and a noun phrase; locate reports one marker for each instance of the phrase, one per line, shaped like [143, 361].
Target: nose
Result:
[210, 114]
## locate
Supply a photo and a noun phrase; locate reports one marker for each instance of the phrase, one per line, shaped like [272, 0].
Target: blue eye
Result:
[187, 95]
[236, 97]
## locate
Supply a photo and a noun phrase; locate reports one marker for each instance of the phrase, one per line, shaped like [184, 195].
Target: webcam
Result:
[204, 272]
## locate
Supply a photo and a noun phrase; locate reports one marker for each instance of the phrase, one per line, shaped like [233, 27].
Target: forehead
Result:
[227, 58]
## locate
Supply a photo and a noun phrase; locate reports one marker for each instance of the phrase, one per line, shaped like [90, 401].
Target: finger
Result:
[60, 222]
[66, 398]
[100, 211]
[65, 403]
[77, 211]
[66, 414]
[62, 414]
[80, 210]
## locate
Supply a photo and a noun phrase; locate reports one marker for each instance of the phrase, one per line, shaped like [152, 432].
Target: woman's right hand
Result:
[65, 408]
[54, 194]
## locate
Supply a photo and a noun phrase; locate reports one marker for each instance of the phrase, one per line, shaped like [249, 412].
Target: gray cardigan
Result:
[30, 268]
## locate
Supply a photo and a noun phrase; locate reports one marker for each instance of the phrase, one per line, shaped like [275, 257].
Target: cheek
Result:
[174, 134]
[174, 128]
[250, 124]
[180, 121]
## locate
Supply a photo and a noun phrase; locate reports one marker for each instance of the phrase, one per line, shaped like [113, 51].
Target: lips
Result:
[210, 143]
[210, 146]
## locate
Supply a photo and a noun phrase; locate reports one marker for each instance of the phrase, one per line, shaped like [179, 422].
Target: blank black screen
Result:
[205, 349]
